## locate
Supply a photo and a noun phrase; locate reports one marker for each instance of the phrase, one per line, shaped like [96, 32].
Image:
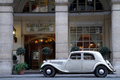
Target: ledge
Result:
[61, 3]
[115, 1]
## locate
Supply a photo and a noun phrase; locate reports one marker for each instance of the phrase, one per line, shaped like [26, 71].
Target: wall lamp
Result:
[14, 35]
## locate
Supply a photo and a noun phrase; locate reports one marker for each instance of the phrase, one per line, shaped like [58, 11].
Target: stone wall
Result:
[6, 36]
[61, 26]
[116, 34]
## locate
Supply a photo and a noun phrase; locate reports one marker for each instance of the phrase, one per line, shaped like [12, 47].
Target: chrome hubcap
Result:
[48, 71]
[101, 71]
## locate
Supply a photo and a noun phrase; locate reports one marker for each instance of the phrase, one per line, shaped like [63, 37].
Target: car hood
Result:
[60, 62]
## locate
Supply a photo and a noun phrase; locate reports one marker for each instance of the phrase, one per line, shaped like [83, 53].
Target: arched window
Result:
[85, 5]
[39, 6]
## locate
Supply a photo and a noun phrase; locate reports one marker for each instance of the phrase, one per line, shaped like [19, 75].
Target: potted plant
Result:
[105, 52]
[14, 59]
[75, 48]
[20, 68]
[20, 51]
[46, 51]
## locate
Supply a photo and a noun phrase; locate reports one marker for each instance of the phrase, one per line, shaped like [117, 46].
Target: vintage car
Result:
[78, 62]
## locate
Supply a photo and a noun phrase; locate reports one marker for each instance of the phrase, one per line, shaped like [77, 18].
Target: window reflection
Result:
[85, 5]
[39, 6]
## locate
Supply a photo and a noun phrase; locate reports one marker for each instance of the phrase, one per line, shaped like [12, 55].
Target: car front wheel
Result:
[49, 71]
[101, 71]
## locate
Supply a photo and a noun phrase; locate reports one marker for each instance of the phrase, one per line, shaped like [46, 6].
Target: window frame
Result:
[39, 10]
[75, 25]
[86, 7]
[89, 54]
[78, 56]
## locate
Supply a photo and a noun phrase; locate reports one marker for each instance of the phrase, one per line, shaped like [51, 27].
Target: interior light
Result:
[98, 44]
[41, 40]
[91, 44]
[36, 42]
[46, 41]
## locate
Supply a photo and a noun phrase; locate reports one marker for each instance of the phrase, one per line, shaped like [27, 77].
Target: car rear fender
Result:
[101, 64]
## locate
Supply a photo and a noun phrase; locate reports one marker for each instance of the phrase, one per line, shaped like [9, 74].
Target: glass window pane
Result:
[92, 29]
[73, 30]
[98, 37]
[51, 6]
[73, 37]
[72, 44]
[86, 37]
[79, 29]
[81, 5]
[93, 37]
[85, 30]
[43, 6]
[80, 45]
[86, 44]
[99, 29]
[93, 44]
[73, 7]
[75, 56]
[35, 6]
[88, 56]
[98, 5]
[79, 37]
[90, 5]
[99, 44]
[27, 7]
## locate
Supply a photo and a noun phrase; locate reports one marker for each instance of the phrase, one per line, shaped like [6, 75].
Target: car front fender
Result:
[56, 66]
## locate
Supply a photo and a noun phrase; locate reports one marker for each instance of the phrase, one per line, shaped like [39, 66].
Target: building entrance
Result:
[34, 45]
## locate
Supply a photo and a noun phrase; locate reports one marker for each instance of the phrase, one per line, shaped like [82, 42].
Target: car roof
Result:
[97, 54]
[93, 52]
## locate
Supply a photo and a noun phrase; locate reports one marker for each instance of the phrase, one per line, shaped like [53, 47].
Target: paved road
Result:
[58, 77]
[55, 78]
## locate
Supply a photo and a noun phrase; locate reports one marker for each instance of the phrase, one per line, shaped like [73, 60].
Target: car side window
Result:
[75, 56]
[88, 56]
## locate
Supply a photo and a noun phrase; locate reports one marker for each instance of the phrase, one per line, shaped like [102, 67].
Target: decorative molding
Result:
[115, 1]
[6, 12]
[6, 4]
[61, 3]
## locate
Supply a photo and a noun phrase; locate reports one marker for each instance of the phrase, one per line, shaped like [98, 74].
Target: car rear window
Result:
[88, 56]
[75, 56]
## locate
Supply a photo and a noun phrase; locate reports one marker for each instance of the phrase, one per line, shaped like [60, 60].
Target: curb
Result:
[57, 76]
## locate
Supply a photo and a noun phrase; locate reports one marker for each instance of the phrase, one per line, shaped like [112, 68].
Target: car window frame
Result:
[75, 57]
[88, 54]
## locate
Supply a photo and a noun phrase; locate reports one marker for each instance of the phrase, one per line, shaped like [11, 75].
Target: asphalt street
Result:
[55, 78]
[58, 77]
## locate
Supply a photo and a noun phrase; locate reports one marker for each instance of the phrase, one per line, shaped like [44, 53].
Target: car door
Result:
[74, 63]
[88, 62]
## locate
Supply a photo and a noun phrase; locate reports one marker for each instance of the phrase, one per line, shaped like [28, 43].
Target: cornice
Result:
[61, 3]
[6, 4]
[115, 1]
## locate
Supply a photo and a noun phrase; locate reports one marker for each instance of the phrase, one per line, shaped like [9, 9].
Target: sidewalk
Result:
[57, 76]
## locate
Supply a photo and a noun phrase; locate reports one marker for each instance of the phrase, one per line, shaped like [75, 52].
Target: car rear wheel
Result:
[49, 71]
[101, 71]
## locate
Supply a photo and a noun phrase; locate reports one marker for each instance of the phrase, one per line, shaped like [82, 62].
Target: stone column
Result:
[116, 34]
[61, 27]
[6, 36]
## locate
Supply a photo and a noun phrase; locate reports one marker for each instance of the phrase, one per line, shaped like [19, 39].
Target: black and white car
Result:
[78, 62]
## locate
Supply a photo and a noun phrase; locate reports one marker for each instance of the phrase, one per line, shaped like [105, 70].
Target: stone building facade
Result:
[64, 26]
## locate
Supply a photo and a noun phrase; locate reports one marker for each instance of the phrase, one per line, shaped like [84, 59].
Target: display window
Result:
[86, 37]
